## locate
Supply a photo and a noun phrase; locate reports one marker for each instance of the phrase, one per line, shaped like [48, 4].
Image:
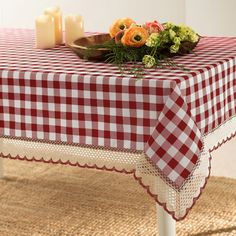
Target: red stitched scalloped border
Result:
[172, 213]
[33, 159]
[139, 179]
[219, 144]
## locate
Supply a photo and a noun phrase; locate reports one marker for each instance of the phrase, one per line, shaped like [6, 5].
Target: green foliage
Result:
[157, 52]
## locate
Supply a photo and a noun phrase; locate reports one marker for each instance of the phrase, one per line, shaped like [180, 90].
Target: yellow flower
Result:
[153, 40]
[172, 33]
[149, 61]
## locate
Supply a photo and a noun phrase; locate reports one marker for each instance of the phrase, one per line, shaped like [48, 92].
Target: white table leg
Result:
[166, 224]
[1, 167]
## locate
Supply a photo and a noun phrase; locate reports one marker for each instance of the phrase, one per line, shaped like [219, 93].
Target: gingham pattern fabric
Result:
[53, 95]
[175, 134]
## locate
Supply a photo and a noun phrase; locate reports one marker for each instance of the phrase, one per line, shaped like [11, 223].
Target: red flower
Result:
[153, 27]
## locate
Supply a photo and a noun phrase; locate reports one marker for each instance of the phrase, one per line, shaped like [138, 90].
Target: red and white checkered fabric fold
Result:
[175, 143]
[53, 95]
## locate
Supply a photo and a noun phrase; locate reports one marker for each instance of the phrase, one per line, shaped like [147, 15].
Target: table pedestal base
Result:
[166, 224]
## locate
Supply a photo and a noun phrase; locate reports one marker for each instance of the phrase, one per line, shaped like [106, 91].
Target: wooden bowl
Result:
[81, 47]
[187, 47]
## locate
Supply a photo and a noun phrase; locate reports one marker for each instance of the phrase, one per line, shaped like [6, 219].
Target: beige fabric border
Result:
[176, 202]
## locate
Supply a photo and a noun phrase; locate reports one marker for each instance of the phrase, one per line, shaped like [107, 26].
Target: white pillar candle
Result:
[45, 32]
[55, 12]
[74, 28]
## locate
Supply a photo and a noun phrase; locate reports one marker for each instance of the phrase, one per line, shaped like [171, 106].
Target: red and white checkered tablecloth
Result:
[53, 95]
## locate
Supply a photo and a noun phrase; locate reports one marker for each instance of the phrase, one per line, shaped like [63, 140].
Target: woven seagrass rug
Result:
[54, 200]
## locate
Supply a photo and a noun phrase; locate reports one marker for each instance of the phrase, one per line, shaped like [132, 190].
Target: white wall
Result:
[98, 15]
[212, 17]
[208, 17]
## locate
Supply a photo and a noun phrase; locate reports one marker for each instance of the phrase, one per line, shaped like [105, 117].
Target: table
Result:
[57, 108]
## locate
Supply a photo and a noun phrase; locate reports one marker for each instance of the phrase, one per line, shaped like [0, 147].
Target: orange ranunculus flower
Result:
[120, 24]
[135, 36]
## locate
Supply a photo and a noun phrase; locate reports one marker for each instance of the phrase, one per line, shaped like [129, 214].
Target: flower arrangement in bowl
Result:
[151, 43]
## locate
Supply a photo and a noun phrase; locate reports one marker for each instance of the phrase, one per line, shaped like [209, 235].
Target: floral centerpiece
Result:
[151, 43]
